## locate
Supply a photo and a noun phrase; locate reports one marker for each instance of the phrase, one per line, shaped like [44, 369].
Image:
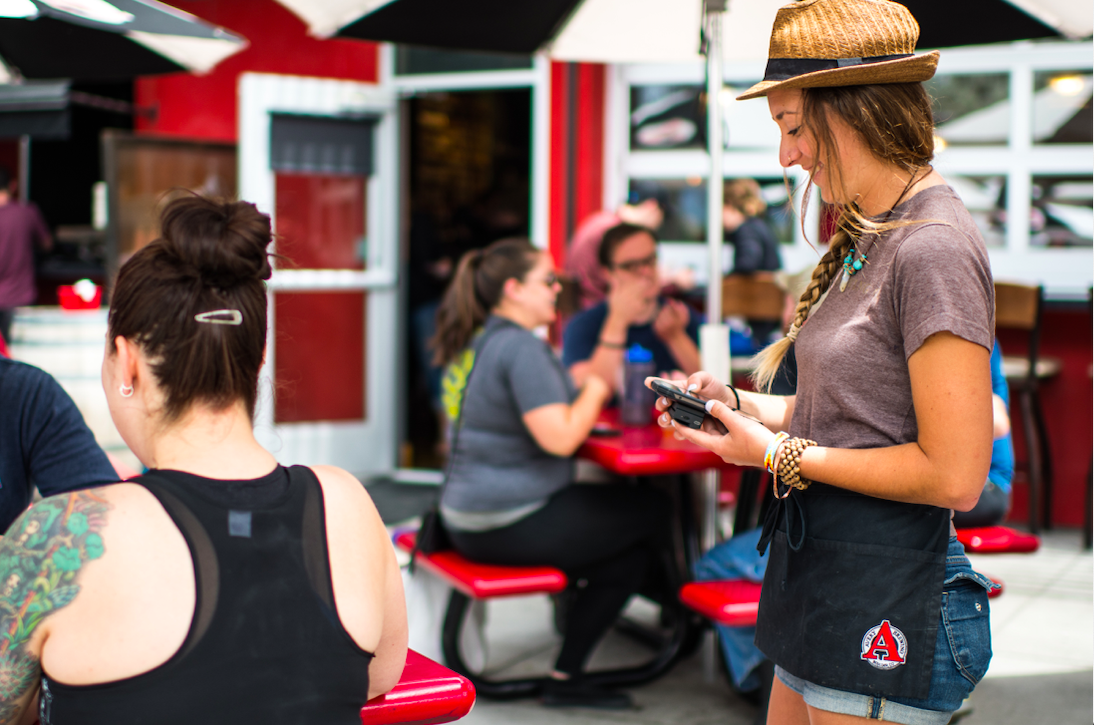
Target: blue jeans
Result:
[737, 558]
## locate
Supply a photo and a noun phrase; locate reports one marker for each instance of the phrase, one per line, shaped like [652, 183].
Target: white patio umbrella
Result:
[619, 31]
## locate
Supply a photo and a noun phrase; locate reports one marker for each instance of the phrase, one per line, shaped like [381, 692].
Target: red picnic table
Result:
[644, 450]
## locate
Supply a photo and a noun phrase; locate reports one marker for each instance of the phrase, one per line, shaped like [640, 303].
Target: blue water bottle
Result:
[637, 404]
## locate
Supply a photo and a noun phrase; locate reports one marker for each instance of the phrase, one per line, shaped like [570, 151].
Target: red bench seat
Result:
[997, 540]
[427, 693]
[733, 602]
[485, 581]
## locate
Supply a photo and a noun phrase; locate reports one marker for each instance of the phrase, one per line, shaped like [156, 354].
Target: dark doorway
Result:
[469, 176]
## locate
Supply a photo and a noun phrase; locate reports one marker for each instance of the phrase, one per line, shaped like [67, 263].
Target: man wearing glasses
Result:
[632, 313]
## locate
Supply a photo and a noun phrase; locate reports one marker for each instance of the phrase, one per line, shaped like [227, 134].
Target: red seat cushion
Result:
[993, 593]
[997, 540]
[732, 602]
[427, 693]
[484, 581]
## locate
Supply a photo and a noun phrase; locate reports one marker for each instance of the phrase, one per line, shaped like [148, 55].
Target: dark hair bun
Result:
[223, 242]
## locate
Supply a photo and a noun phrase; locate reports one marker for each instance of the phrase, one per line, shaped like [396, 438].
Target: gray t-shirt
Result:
[854, 390]
[497, 465]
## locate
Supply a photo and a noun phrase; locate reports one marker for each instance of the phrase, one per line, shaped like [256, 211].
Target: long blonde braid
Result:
[767, 361]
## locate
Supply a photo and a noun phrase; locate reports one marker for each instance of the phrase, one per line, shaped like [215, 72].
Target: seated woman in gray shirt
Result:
[509, 498]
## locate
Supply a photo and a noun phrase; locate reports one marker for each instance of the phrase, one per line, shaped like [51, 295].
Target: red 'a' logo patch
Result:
[884, 646]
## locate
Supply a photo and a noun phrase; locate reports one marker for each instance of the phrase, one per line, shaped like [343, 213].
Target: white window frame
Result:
[1066, 272]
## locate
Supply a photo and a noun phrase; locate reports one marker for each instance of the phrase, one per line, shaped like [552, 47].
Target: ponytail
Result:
[475, 290]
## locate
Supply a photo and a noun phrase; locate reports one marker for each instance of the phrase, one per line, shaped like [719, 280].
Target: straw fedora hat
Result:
[824, 43]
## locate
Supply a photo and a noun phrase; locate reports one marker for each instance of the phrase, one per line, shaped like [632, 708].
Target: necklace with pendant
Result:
[851, 265]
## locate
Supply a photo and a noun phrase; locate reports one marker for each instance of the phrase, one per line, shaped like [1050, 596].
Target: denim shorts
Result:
[961, 656]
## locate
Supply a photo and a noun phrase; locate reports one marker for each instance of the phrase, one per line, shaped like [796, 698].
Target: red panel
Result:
[733, 602]
[589, 142]
[559, 187]
[205, 106]
[319, 356]
[320, 221]
[1069, 415]
[484, 581]
[427, 693]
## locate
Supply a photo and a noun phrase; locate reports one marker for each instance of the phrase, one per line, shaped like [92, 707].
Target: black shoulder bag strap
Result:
[431, 535]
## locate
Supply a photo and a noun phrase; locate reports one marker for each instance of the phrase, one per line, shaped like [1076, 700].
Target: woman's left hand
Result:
[738, 439]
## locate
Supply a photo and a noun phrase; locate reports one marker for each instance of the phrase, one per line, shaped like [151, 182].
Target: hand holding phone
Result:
[684, 408]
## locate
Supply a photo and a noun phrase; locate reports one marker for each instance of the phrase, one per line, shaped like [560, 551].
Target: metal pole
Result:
[715, 180]
[714, 336]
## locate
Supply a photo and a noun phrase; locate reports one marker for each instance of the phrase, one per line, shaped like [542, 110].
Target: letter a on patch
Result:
[884, 646]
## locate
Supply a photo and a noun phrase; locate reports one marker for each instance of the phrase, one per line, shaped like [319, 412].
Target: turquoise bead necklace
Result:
[852, 266]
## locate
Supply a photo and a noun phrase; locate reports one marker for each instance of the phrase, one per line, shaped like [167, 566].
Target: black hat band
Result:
[782, 69]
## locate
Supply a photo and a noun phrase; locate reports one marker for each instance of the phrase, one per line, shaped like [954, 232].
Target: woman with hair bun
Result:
[219, 587]
[509, 498]
[870, 609]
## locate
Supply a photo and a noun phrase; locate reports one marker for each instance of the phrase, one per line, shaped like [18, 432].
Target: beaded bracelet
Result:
[790, 466]
[772, 449]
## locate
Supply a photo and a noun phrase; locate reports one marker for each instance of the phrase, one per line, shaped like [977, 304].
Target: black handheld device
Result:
[685, 408]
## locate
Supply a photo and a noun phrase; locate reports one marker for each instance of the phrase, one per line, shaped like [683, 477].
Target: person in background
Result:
[755, 248]
[219, 587]
[583, 257]
[44, 441]
[994, 501]
[517, 421]
[21, 229]
[633, 313]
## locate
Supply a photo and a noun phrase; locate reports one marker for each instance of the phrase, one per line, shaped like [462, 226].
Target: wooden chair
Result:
[569, 299]
[1018, 307]
[754, 298]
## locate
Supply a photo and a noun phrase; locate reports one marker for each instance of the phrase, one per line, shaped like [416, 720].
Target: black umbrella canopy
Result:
[504, 26]
[519, 27]
[116, 43]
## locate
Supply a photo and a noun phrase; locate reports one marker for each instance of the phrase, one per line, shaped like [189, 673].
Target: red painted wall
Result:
[577, 149]
[1069, 414]
[205, 106]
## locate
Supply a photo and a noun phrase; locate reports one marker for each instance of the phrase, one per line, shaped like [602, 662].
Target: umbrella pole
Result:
[714, 336]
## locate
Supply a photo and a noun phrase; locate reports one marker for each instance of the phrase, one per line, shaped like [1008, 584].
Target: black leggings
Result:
[605, 535]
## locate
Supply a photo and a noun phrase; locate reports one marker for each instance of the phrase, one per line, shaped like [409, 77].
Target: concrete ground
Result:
[1042, 636]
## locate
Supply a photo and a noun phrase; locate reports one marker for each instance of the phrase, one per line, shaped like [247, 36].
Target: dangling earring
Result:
[126, 390]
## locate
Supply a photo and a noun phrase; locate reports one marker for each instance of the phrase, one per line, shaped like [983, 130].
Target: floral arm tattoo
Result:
[40, 557]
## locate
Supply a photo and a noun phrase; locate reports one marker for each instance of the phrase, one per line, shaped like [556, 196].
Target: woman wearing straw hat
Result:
[870, 609]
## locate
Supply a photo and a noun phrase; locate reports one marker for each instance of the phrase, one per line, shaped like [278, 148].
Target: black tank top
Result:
[265, 644]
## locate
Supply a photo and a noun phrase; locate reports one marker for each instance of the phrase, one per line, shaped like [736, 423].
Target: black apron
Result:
[853, 590]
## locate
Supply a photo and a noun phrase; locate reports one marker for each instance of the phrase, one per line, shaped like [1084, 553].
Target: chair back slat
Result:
[1016, 305]
[751, 298]
[569, 299]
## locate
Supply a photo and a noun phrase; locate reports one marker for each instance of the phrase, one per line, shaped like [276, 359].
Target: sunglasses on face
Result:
[635, 265]
[550, 279]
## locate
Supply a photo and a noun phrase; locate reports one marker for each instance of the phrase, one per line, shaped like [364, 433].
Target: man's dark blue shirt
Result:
[44, 441]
